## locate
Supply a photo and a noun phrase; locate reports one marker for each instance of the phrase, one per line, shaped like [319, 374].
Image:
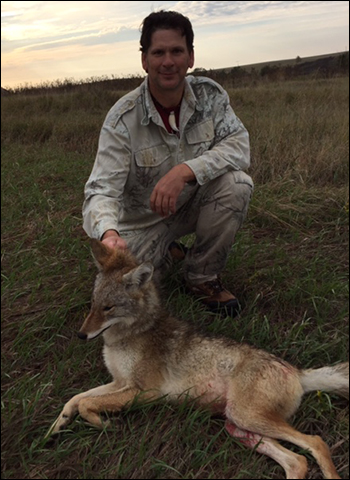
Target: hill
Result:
[321, 66]
[325, 60]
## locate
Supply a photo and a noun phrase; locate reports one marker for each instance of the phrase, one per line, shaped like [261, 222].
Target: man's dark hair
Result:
[165, 21]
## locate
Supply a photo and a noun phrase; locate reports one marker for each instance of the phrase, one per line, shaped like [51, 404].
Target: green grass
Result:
[289, 267]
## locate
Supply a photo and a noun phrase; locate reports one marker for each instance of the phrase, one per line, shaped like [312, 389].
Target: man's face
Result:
[167, 62]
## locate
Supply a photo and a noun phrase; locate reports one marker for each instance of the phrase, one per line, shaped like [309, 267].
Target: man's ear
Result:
[139, 276]
[191, 60]
[100, 252]
[144, 61]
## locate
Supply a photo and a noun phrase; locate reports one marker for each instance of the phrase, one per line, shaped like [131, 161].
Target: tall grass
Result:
[289, 267]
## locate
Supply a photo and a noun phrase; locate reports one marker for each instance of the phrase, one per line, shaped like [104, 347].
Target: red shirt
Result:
[165, 112]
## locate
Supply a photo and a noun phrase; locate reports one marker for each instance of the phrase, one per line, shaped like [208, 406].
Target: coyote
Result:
[151, 354]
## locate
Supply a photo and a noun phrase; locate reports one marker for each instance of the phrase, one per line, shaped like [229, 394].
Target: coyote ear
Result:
[139, 276]
[100, 252]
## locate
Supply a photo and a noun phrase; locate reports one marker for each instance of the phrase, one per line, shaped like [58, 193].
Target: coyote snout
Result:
[151, 354]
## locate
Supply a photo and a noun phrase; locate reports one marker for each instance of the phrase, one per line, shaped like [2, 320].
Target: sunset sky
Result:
[46, 41]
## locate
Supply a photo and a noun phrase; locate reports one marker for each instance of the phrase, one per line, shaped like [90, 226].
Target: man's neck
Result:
[167, 99]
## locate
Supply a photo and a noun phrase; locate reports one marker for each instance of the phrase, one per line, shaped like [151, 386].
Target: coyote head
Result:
[123, 297]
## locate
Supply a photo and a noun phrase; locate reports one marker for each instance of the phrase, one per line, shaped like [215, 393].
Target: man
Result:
[170, 162]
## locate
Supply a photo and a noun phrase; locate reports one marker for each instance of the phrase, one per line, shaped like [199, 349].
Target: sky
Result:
[47, 41]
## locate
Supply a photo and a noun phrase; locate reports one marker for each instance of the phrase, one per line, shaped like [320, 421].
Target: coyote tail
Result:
[329, 379]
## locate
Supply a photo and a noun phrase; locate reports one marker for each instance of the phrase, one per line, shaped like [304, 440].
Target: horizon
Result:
[87, 80]
[48, 41]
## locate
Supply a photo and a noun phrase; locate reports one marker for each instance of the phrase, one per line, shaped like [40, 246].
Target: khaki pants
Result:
[215, 213]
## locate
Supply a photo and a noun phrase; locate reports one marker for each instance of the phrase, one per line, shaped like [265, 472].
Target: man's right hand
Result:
[113, 240]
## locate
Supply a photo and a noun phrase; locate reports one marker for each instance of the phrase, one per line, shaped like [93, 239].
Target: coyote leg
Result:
[71, 407]
[90, 407]
[294, 465]
[271, 424]
[314, 443]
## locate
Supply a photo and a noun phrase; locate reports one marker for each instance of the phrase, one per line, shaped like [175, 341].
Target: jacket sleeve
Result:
[230, 149]
[105, 186]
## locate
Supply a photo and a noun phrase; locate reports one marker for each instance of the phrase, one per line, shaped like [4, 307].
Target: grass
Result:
[289, 267]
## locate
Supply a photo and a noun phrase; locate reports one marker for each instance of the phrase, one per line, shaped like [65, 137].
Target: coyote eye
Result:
[107, 309]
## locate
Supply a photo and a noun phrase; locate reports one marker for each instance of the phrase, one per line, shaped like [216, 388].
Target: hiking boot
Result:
[216, 298]
[178, 251]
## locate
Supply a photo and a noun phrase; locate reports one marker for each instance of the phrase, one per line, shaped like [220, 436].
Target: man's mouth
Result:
[168, 74]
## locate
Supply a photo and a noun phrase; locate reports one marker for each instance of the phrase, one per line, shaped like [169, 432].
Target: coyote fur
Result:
[151, 354]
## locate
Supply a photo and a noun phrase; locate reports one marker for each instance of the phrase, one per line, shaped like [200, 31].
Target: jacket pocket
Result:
[200, 137]
[203, 132]
[152, 156]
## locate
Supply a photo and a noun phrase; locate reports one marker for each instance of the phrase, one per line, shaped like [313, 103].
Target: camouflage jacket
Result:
[135, 151]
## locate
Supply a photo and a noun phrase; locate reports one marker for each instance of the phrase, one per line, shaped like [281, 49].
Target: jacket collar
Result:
[150, 111]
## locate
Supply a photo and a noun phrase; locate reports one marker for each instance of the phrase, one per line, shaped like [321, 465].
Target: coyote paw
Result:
[59, 424]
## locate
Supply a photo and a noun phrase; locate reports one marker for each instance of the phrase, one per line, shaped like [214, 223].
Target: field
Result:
[289, 267]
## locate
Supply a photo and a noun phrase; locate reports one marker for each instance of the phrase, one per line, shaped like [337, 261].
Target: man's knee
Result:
[242, 178]
[243, 187]
[235, 188]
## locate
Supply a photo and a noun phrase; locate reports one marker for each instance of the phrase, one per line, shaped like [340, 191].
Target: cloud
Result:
[48, 21]
[73, 38]
[250, 12]
[86, 39]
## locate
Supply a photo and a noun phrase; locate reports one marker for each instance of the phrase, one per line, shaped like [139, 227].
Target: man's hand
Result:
[166, 192]
[113, 240]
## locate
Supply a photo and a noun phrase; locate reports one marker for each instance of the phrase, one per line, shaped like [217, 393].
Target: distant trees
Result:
[324, 66]
[344, 62]
[69, 84]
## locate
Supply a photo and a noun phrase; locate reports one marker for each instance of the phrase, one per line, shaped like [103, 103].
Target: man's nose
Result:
[168, 60]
